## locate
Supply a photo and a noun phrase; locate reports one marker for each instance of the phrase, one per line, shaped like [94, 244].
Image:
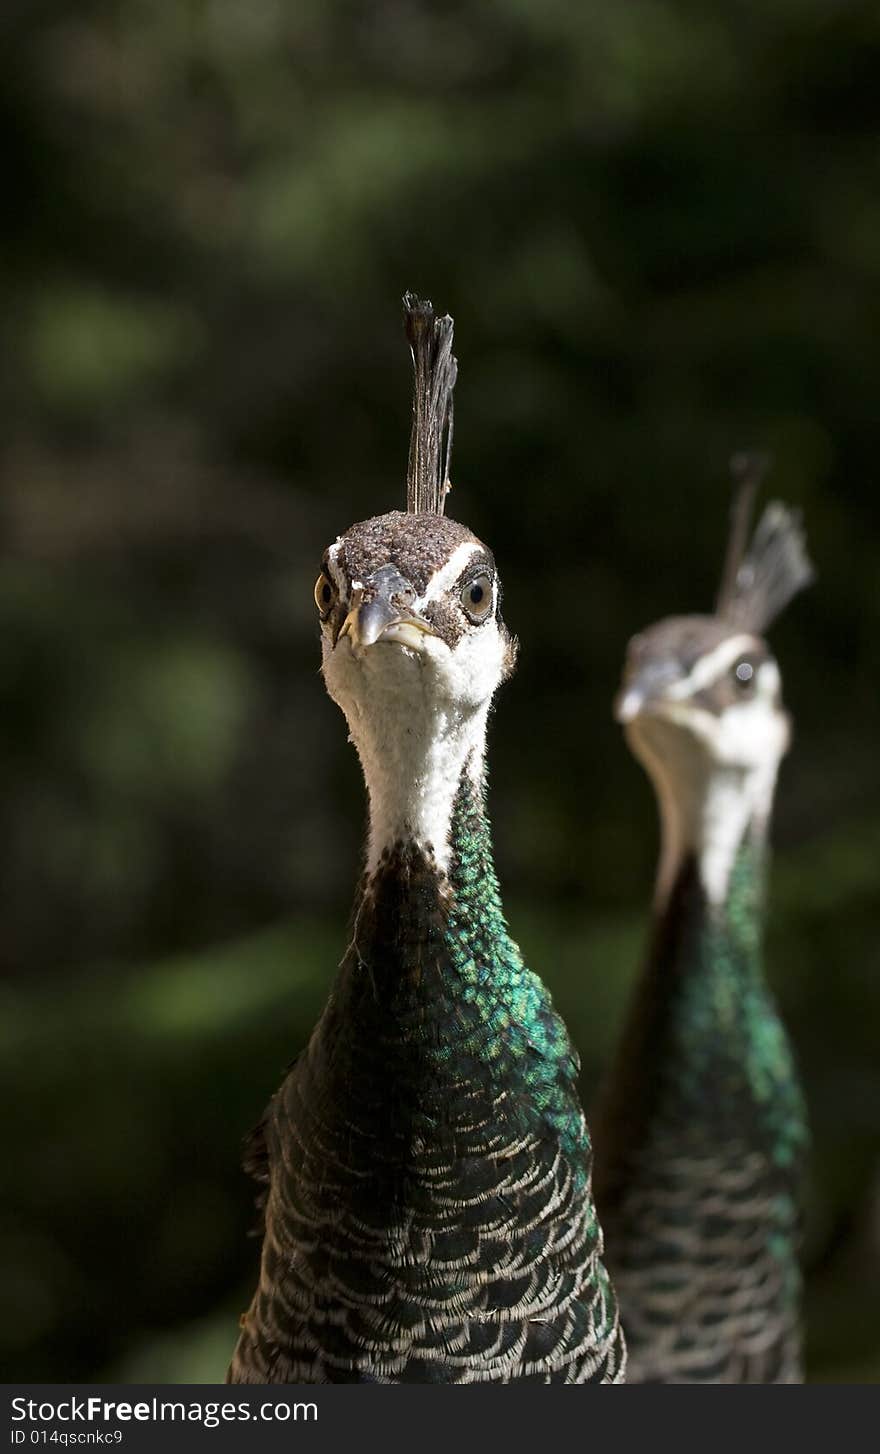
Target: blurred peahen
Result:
[428, 1206]
[701, 1131]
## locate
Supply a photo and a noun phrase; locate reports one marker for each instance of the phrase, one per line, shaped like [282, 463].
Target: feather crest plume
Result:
[435, 369]
[759, 581]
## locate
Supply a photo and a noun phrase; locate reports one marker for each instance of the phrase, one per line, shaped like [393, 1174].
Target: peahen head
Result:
[699, 691]
[701, 698]
[413, 642]
[409, 606]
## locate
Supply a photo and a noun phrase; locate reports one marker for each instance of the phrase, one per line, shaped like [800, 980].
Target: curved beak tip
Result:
[378, 620]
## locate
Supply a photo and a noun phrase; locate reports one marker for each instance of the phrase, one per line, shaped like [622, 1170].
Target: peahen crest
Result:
[758, 582]
[435, 369]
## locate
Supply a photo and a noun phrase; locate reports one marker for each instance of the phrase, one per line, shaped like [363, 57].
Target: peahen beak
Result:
[381, 611]
[645, 690]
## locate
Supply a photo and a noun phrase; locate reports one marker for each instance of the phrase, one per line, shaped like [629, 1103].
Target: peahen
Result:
[426, 1165]
[700, 1131]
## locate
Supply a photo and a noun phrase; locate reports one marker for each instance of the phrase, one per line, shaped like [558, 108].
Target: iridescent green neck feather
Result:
[726, 1041]
[529, 1043]
[700, 1140]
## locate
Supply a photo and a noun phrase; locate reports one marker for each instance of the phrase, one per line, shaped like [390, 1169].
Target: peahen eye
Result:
[476, 597]
[325, 593]
[744, 676]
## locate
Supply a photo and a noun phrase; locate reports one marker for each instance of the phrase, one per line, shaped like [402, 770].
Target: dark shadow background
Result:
[659, 233]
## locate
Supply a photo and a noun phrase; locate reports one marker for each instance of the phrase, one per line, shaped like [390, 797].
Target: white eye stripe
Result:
[446, 577]
[442, 581]
[709, 668]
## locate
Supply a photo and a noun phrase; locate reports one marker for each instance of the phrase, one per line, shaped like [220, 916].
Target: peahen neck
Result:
[440, 1207]
[709, 811]
[727, 1056]
[700, 1134]
[436, 987]
[704, 1046]
[414, 757]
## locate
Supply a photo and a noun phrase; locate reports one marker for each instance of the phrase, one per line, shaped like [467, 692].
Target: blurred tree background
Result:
[658, 229]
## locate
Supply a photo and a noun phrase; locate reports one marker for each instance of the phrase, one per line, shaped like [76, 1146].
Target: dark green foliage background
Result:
[658, 227]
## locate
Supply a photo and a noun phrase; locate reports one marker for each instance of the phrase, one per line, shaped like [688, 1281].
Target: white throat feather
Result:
[418, 721]
[715, 779]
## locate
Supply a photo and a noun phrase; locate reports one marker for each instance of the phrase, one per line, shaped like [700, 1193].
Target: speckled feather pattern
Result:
[402, 540]
[700, 1138]
[428, 1213]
